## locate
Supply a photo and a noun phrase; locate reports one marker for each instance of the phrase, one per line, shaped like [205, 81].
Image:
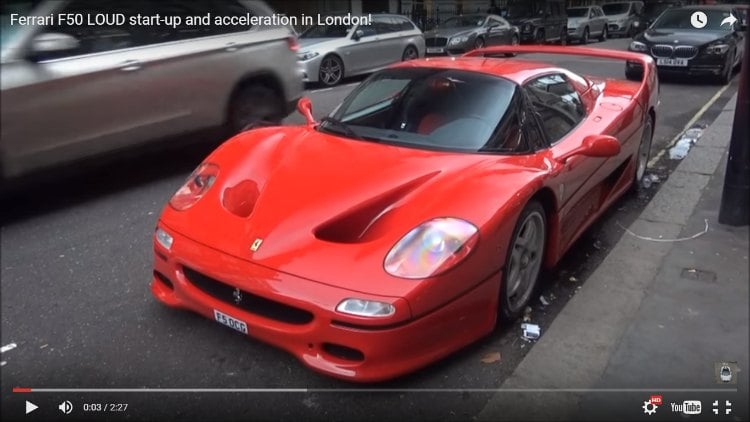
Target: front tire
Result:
[726, 75]
[603, 36]
[643, 155]
[523, 261]
[585, 37]
[540, 37]
[479, 43]
[254, 105]
[331, 70]
[514, 41]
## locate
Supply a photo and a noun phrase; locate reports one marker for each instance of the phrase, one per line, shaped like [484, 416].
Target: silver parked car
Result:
[459, 34]
[329, 53]
[624, 18]
[585, 22]
[73, 91]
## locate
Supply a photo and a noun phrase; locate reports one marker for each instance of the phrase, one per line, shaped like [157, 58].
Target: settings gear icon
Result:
[649, 408]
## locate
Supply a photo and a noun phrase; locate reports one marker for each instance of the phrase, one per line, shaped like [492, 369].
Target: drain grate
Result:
[700, 275]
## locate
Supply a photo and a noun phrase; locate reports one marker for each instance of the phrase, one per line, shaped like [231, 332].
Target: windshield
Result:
[429, 108]
[8, 31]
[653, 10]
[462, 21]
[578, 12]
[681, 19]
[616, 8]
[326, 31]
[523, 9]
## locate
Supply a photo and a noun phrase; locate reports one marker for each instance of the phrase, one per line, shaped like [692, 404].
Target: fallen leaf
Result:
[491, 357]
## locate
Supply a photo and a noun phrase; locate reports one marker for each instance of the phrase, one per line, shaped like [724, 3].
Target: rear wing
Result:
[649, 83]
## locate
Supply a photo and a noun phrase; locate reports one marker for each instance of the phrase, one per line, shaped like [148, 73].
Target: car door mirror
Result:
[358, 34]
[52, 42]
[594, 146]
[304, 107]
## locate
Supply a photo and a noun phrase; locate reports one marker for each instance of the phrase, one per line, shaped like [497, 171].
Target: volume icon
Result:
[66, 407]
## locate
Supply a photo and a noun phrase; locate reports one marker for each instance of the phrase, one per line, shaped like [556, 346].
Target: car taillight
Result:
[199, 182]
[291, 42]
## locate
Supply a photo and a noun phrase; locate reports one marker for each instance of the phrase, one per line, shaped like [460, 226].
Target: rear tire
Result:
[523, 261]
[643, 155]
[410, 53]
[254, 105]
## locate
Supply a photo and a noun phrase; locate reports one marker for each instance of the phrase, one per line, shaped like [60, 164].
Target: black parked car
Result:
[678, 46]
[460, 34]
[540, 21]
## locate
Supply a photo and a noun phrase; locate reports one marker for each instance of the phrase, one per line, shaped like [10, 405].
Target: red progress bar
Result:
[21, 390]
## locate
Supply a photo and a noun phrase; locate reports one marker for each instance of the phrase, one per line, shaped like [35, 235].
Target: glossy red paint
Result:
[328, 209]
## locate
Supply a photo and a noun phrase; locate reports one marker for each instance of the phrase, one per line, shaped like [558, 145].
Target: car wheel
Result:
[644, 153]
[564, 37]
[603, 36]
[523, 261]
[540, 37]
[585, 37]
[331, 70]
[633, 75]
[410, 53]
[726, 74]
[478, 43]
[513, 41]
[254, 105]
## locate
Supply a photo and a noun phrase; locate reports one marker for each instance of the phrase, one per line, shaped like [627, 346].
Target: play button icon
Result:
[30, 407]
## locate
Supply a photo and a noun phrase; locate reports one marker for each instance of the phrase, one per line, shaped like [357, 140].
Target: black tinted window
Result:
[556, 103]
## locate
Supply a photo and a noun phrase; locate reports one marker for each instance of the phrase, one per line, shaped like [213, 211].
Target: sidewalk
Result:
[654, 318]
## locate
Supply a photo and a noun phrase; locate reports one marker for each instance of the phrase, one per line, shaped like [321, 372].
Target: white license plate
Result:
[672, 62]
[230, 322]
[435, 50]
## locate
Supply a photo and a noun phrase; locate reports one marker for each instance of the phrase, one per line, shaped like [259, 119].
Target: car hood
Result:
[449, 32]
[618, 17]
[329, 209]
[682, 37]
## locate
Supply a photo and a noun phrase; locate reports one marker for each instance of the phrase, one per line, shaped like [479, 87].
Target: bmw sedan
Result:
[329, 53]
[711, 46]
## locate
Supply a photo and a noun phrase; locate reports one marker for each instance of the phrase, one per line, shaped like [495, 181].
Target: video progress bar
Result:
[372, 390]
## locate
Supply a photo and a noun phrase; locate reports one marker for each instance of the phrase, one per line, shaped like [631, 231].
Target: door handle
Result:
[130, 65]
[231, 47]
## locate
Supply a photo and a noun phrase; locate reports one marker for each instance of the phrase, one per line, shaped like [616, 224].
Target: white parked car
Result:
[329, 53]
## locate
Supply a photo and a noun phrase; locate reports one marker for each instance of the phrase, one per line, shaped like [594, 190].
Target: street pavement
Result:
[76, 258]
[658, 317]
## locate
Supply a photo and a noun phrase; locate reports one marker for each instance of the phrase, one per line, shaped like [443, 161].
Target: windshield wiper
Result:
[342, 127]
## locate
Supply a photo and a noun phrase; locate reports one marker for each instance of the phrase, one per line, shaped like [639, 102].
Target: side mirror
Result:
[304, 107]
[594, 146]
[358, 34]
[52, 42]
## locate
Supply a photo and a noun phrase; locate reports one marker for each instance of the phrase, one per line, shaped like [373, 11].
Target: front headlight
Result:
[199, 182]
[717, 49]
[432, 248]
[366, 308]
[459, 40]
[307, 55]
[637, 46]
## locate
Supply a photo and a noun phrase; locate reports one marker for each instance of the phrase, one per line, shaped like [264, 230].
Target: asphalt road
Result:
[76, 262]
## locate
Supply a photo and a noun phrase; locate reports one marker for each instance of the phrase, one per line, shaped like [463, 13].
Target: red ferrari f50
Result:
[419, 213]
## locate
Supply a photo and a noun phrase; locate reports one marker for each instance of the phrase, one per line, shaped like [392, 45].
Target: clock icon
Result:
[698, 20]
